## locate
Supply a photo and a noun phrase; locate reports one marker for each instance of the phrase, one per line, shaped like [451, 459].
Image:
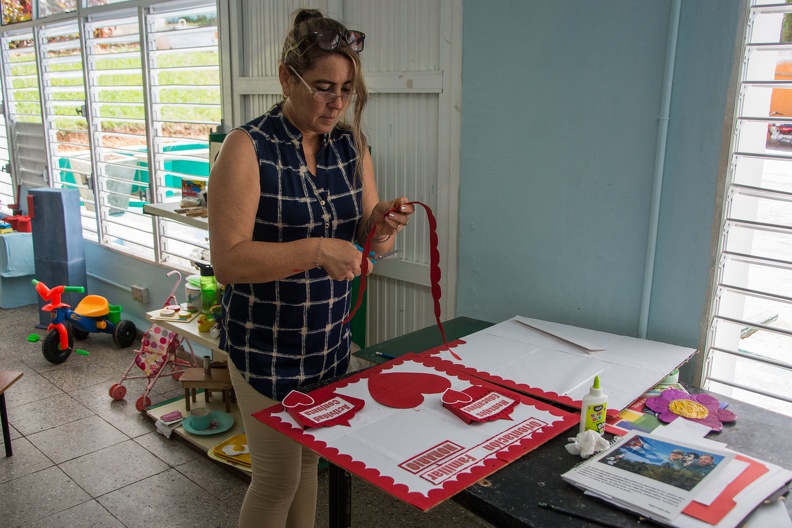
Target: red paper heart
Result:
[452, 396]
[296, 398]
[405, 390]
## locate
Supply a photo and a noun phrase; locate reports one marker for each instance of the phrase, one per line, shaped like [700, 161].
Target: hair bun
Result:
[306, 14]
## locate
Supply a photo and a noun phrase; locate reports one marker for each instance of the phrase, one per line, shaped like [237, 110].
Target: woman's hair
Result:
[301, 53]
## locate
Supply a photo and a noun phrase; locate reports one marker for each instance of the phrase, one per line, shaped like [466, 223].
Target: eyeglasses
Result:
[329, 39]
[322, 97]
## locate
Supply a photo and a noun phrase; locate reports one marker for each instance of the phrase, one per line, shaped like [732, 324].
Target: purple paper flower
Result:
[701, 408]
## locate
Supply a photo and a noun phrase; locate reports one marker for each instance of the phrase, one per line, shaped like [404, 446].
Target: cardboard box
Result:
[193, 193]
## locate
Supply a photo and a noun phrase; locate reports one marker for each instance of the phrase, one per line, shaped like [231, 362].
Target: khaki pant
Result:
[282, 492]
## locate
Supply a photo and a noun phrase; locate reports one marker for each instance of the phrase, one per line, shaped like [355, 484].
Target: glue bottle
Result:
[592, 412]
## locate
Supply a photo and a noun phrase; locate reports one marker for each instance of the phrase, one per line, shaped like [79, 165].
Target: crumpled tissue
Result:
[587, 443]
[166, 428]
[168, 422]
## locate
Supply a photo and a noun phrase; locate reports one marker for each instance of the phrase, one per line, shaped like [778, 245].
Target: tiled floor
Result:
[82, 459]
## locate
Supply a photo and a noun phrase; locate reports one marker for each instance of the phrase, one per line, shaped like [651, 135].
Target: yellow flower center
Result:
[688, 409]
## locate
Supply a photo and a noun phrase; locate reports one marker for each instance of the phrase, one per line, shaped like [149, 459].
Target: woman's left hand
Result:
[390, 221]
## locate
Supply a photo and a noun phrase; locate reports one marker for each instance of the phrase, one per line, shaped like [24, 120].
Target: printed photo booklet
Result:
[680, 484]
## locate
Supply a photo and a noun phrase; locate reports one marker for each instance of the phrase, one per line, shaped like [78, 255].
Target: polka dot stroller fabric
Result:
[155, 346]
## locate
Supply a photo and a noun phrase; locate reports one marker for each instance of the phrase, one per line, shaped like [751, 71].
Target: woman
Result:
[289, 194]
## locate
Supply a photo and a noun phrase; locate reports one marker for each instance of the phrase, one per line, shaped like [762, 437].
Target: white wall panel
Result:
[256, 105]
[402, 129]
[396, 308]
[412, 62]
[400, 36]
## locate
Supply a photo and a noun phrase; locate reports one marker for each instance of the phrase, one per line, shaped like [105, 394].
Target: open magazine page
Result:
[653, 476]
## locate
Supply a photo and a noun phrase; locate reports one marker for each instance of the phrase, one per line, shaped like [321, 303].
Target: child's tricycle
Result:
[93, 314]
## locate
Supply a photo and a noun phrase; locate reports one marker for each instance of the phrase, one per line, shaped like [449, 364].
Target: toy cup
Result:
[200, 418]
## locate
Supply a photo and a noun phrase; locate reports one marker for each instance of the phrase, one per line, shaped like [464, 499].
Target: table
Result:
[188, 330]
[7, 378]
[168, 210]
[510, 497]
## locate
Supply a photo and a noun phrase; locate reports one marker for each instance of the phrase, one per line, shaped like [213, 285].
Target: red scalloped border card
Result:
[422, 469]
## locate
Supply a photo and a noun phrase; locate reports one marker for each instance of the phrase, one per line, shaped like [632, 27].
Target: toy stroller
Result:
[158, 353]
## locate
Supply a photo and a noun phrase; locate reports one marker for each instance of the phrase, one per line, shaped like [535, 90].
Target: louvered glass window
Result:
[52, 7]
[16, 11]
[65, 125]
[130, 95]
[184, 97]
[23, 108]
[118, 127]
[92, 3]
[750, 339]
[7, 191]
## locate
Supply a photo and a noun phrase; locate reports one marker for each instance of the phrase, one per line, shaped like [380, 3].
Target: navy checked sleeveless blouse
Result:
[284, 334]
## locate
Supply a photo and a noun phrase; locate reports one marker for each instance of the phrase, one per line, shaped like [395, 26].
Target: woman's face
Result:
[331, 73]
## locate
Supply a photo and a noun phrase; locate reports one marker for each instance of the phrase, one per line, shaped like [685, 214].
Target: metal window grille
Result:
[750, 334]
[27, 148]
[183, 73]
[130, 93]
[66, 128]
[117, 117]
[7, 193]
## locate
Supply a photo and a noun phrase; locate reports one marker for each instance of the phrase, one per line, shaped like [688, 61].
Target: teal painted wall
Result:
[560, 100]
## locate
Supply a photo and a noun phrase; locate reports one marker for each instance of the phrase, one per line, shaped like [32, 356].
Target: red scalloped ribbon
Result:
[434, 269]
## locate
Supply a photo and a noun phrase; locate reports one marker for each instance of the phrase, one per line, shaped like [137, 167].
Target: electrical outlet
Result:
[140, 294]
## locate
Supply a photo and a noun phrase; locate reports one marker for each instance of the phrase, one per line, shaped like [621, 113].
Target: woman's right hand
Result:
[340, 259]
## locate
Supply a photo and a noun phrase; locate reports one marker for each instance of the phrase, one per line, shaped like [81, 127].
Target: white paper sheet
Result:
[518, 355]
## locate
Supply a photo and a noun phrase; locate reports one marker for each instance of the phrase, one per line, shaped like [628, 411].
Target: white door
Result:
[413, 62]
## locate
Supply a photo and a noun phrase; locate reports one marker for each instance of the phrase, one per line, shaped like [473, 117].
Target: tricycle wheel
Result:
[142, 403]
[117, 392]
[78, 334]
[51, 349]
[124, 333]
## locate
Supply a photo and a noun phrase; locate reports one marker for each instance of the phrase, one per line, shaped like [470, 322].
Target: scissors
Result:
[374, 257]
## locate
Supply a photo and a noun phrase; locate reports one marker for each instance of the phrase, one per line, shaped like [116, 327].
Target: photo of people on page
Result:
[678, 466]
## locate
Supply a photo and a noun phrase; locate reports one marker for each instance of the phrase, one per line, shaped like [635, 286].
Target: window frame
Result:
[161, 229]
[743, 204]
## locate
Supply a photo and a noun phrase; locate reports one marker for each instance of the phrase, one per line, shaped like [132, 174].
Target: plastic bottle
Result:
[592, 412]
[208, 287]
[192, 291]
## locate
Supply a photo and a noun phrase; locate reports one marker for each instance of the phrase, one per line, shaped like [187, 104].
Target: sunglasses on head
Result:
[329, 39]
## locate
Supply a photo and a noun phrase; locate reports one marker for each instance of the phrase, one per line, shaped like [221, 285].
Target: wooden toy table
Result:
[220, 380]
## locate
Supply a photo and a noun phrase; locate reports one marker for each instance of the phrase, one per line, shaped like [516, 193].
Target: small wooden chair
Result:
[7, 378]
